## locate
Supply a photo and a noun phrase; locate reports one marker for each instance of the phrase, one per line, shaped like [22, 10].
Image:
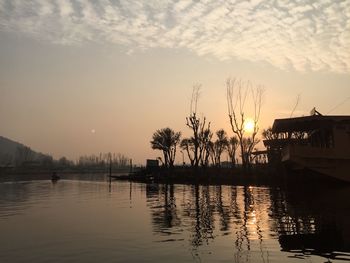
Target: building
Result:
[318, 143]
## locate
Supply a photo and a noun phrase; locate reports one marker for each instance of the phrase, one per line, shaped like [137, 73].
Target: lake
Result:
[92, 221]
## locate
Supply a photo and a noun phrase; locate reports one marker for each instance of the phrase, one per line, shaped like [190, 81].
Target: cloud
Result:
[298, 35]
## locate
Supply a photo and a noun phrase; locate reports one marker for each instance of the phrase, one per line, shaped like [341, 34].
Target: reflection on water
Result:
[92, 221]
[304, 222]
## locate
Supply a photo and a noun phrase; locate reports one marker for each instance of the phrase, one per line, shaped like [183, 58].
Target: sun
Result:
[248, 125]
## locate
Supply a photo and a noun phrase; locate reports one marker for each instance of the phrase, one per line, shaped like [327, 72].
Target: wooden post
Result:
[110, 169]
[110, 166]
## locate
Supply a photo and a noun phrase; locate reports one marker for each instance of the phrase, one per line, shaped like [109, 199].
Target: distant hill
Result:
[15, 153]
[8, 146]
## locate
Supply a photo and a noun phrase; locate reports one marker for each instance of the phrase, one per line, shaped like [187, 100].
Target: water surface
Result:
[90, 221]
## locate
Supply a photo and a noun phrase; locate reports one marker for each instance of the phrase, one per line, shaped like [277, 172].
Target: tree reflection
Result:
[250, 216]
[163, 207]
[224, 210]
[204, 221]
[200, 207]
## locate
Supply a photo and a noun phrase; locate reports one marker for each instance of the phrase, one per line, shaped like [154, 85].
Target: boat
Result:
[319, 143]
[55, 176]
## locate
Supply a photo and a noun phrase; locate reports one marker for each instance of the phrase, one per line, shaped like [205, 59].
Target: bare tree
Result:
[199, 127]
[236, 111]
[117, 160]
[257, 95]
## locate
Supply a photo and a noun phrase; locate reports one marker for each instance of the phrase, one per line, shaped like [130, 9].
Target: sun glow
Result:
[248, 125]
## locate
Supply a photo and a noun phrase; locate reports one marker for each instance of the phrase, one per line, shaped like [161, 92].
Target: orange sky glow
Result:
[103, 76]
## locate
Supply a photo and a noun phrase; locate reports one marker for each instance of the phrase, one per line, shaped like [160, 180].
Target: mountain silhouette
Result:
[11, 151]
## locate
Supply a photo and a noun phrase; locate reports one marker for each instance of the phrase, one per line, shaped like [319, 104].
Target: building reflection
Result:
[305, 220]
[315, 221]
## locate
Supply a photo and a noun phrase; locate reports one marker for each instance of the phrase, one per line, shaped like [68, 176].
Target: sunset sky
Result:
[81, 77]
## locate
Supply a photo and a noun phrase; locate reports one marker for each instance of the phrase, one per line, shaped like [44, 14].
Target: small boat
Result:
[120, 177]
[55, 177]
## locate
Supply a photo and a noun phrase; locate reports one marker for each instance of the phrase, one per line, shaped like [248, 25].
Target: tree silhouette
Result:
[166, 140]
[201, 131]
[237, 116]
[23, 155]
[219, 146]
[232, 148]
[188, 145]
[205, 145]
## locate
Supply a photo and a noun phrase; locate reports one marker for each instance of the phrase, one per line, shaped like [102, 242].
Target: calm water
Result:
[88, 221]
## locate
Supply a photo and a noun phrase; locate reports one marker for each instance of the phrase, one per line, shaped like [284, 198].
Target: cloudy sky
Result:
[89, 76]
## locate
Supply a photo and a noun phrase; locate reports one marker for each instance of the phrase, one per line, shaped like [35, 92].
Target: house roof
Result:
[308, 123]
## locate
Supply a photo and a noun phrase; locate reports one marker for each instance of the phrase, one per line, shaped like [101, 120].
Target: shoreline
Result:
[256, 176]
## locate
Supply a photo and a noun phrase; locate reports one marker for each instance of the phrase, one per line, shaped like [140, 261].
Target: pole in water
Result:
[110, 169]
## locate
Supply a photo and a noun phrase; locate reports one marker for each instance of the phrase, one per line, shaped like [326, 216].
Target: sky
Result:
[82, 77]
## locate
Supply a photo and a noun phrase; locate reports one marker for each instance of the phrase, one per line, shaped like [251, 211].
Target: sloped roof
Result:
[307, 123]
